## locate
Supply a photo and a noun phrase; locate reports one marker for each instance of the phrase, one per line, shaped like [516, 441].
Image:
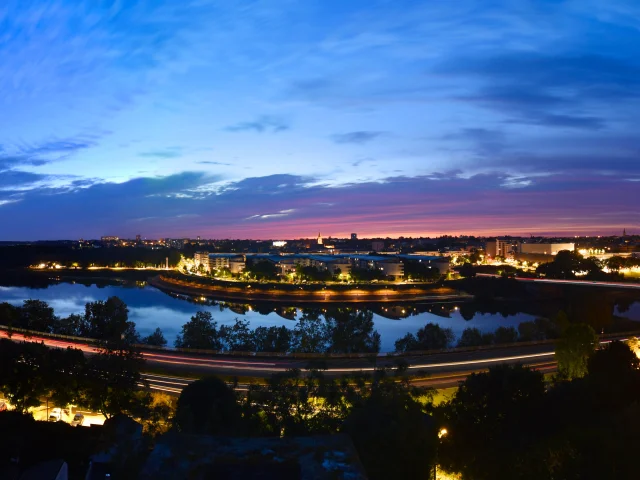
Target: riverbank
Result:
[321, 295]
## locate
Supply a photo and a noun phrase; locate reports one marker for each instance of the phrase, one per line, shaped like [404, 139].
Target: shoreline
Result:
[310, 297]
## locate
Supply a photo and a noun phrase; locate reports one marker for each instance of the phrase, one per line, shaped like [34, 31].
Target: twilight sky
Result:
[282, 118]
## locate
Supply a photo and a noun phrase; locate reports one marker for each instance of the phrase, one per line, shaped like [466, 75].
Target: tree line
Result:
[106, 320]
[342, 330]
[20, 256]
[336, 330]
[434, 337]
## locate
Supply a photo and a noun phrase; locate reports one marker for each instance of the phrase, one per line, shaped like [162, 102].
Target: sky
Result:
[283, 118]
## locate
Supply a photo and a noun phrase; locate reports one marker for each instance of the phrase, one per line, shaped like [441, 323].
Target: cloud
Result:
[209, 162]
[58, 146]
[358, 137]
[265, 216]
[15, 179]
[493, 203]
[262, 124]
[36, 154]
[170, 153]
[560, 90]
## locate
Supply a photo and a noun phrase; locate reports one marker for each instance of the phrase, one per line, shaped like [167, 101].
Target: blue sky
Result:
[236, 119]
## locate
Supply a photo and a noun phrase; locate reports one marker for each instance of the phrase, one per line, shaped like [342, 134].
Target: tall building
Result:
[138, 238]
[499, 248]
[319, 239]
[354, 236]
[202, 258]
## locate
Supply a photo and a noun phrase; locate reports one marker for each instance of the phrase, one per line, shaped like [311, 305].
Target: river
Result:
[150, 308]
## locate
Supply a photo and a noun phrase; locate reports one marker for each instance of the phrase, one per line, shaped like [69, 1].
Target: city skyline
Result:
[280, 119]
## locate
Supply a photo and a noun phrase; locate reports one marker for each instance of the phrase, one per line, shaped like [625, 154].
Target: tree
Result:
[420, 271]
[156, 338]
[262, 270]
[310, 334]
[467, 271]
[238, 337]
[294, 404]
[73, 325]
[471, 337]
[66, 370]
[207, 406]
[23, 373]
[272, 339]
[9, 316]
[200, 332]
[573, 349]
[393, 436]
[430, 337]
[614, 375]
[108, 322]
[37, 315]
[352, 332]
[506, 335]
[111, 383]
[539, 329]
[486, 419]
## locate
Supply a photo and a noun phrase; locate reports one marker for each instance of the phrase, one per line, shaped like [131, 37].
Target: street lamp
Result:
[441, 433]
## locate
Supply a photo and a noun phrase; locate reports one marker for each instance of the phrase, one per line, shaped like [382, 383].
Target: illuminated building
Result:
[202, 258]
[545, 248]
[499, 248]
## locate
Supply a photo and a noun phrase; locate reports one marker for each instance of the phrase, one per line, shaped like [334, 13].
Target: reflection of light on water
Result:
[150, 308]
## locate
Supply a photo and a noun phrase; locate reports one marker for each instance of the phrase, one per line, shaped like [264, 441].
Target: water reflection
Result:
[150, 308]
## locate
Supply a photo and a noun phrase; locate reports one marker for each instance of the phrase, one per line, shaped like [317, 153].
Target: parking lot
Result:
[42, 413]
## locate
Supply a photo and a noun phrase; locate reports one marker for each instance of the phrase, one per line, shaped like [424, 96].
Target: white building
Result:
[499, 248]
[391, 267]
[545, 248]
[202, 258]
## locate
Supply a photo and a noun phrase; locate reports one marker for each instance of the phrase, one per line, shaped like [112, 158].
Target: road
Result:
[173, 385]
[582, 283]
[262, 367]
[438, 369]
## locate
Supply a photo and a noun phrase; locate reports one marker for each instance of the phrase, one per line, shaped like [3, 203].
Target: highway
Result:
[440, 367]
[437, 370]
[582, 283]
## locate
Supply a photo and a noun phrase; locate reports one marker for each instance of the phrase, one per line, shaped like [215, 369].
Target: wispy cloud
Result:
[358, 137]
[169, 153]
[281, 213]
[209, 162]
[265, 123]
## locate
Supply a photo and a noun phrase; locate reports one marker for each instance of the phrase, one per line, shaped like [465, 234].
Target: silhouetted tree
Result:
[156, 338]
[506, 335]
[471, 337]
[207, 406]
[430, 337]
[310, 334]
[200, 332]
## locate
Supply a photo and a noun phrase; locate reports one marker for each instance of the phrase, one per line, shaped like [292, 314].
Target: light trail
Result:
[156, 356]
[570, 282]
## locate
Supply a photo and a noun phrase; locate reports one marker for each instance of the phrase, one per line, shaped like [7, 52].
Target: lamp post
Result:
[442, 433]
